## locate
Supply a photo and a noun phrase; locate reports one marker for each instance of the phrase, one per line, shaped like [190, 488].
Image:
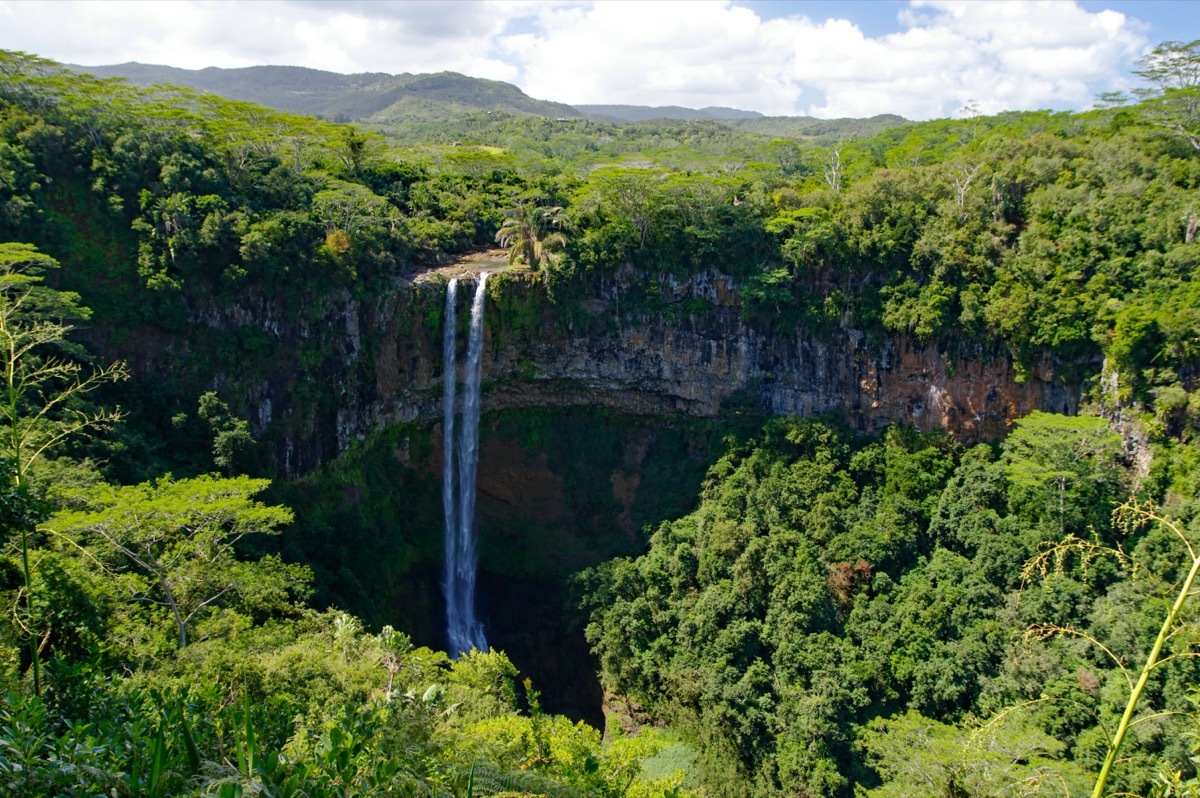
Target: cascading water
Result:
[463, 628]
[449, 384]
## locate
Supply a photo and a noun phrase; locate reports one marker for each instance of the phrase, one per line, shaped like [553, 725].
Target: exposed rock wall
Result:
[380, 364]
[344, 368]
[689, 363]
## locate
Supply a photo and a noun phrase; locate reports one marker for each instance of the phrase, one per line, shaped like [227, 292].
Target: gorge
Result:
[693, 349]
[779, 461]
[598, 419]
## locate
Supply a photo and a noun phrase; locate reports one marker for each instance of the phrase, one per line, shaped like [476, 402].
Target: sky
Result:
[918, 58]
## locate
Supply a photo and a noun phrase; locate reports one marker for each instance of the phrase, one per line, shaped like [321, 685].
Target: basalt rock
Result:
[348, 367]
[688, 355]
[658, 353]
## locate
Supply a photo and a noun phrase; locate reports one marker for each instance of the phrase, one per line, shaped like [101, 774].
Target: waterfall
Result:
[463, 628]
[449, 384]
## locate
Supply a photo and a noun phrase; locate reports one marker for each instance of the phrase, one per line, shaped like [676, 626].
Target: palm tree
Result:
[531, 232]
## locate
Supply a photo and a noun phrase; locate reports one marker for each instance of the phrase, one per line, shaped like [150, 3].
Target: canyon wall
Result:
[689, 354]
[563, 484]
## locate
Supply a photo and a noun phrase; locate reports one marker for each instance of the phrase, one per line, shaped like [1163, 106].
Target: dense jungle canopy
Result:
[828, 613]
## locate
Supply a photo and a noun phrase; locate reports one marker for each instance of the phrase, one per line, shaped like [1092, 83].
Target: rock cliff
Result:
[562, 485]
[687, 354]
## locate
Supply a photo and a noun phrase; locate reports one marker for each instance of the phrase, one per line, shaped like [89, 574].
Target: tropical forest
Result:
[431, 440]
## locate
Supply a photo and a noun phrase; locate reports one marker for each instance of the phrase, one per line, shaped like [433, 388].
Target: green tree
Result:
[42, 387]
[233, 446]
[42, 382]
[1063, 469]
[172, 544]
[349, 207]
[630, 197]
[1174, 69]
[531, 233]
[919, 756]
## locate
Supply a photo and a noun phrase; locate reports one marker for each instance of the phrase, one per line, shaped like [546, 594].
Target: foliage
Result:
[296, 710]
[837, 613]
[831, 596]
[530, 233]
[1174, 69]
[1064, 469]
[232, 442]
[43, 392]
[171, 545]
[917, 755]
[1132, 516]
[42, 388]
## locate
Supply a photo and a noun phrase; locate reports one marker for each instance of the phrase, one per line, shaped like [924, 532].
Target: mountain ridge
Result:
[384, 98]
[368, 96]
[639, 113]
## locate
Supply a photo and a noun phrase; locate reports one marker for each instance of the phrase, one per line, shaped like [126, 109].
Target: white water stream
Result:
[463, 628]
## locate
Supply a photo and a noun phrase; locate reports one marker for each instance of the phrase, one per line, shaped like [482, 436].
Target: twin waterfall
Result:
[465, 631]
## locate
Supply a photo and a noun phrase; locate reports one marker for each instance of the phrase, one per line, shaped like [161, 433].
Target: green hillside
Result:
[389, 100]
[642, 113]
[225, 331]
[827, 130]
[373, 96]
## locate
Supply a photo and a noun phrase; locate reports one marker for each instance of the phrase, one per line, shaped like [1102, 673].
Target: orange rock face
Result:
[691, 362]
[680, 346]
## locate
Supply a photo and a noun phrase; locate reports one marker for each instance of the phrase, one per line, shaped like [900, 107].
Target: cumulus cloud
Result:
[1004, 55]
[1011, 54]
[341, 37]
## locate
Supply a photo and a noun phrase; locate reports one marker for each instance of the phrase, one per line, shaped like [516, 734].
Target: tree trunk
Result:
[180, 621]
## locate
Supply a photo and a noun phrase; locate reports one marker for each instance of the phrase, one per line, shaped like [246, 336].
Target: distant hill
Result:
[380, 98]
[805, 127]
[369, 96]
[811, 127]
[642, 113]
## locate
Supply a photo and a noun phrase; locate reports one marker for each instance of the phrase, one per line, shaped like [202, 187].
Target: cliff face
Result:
[561, 487]
[349, 367]
[664, 361]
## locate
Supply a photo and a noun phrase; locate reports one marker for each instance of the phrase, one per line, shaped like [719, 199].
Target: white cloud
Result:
[1012, 54]
[1005, 55]
[343, 37]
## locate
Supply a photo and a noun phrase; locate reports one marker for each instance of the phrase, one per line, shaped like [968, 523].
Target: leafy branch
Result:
[1130, 517]
[39, 390]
